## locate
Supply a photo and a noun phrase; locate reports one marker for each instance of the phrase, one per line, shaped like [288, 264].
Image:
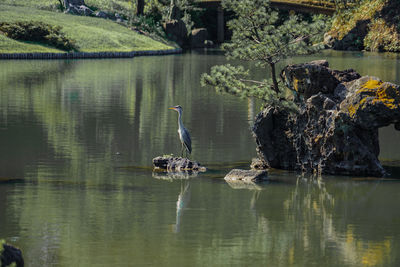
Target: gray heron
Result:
[184, 135]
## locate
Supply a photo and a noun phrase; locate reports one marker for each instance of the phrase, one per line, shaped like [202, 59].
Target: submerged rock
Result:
[246, 176]
[177, 164]
[335, 130]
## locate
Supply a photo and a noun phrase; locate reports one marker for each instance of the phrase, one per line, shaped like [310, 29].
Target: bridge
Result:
[326, 7]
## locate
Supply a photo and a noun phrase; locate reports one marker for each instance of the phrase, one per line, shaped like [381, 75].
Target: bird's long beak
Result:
[172, 108]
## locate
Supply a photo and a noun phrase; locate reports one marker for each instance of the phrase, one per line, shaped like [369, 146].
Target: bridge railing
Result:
[319, 3]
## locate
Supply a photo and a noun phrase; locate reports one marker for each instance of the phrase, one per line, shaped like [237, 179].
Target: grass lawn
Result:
[90, 34]
[119, 6]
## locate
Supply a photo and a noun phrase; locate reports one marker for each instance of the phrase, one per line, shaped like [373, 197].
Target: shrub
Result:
[35, 31]
[382, 37]
[150, 26]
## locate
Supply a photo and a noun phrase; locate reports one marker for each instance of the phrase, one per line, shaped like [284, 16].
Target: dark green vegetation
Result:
[260, 35]
[36, 31]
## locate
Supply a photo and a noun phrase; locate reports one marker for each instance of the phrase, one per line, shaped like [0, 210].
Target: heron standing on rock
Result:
[184, 135]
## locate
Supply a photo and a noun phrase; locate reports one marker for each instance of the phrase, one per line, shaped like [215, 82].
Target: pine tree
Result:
[261, 36]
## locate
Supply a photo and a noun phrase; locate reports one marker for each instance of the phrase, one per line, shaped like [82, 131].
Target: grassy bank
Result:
[90, 34]
[121, 6]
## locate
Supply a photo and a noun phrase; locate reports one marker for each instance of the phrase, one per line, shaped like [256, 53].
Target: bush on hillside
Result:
[382, 37]
[35, 31]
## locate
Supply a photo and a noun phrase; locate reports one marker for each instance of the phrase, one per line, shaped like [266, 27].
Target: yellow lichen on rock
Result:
[371, 84]
[389, 96]
[387, 90]
[319, 137]
[376, 92]
[352, 109]
[296, 84]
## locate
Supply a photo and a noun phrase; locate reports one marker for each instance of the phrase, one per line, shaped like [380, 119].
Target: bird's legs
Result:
[182, 150]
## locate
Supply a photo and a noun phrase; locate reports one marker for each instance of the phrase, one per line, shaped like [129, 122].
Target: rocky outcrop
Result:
[371, 103]
[79, 10]
[176, 31]
[77, 7]
[103, 15]
[10, 255]
[67, 3]
[314, 77]
[335, 130]
[177, 164]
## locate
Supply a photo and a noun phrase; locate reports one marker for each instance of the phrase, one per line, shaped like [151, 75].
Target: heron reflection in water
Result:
[184, 135]
[181, 204]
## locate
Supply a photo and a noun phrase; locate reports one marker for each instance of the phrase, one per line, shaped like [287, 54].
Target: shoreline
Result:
[88, 55]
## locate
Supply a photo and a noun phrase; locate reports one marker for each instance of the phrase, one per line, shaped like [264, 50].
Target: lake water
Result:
[77, 189]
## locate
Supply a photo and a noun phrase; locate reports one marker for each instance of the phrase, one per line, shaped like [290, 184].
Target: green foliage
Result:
[235, 80]
[383, 27]
[189, 9]
[382, 37]
[258, 35]
[346, 16]
[149, 25]
[36, 31]
[345, 5]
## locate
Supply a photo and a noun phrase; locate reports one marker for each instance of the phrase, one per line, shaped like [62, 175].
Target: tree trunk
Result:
[174, 12]
[274, 80]
[139, 7]
[61, 5]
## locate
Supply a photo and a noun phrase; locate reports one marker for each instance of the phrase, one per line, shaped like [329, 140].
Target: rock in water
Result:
[198, 38]
[177, 164]
[246, 176]
[335, 130]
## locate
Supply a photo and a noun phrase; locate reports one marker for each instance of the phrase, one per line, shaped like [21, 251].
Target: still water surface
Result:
[76, 142]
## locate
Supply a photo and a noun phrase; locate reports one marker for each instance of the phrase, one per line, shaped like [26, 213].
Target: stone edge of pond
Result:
[84, 55]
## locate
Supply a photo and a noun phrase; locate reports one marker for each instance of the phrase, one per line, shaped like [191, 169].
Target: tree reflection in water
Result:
[316, 218]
